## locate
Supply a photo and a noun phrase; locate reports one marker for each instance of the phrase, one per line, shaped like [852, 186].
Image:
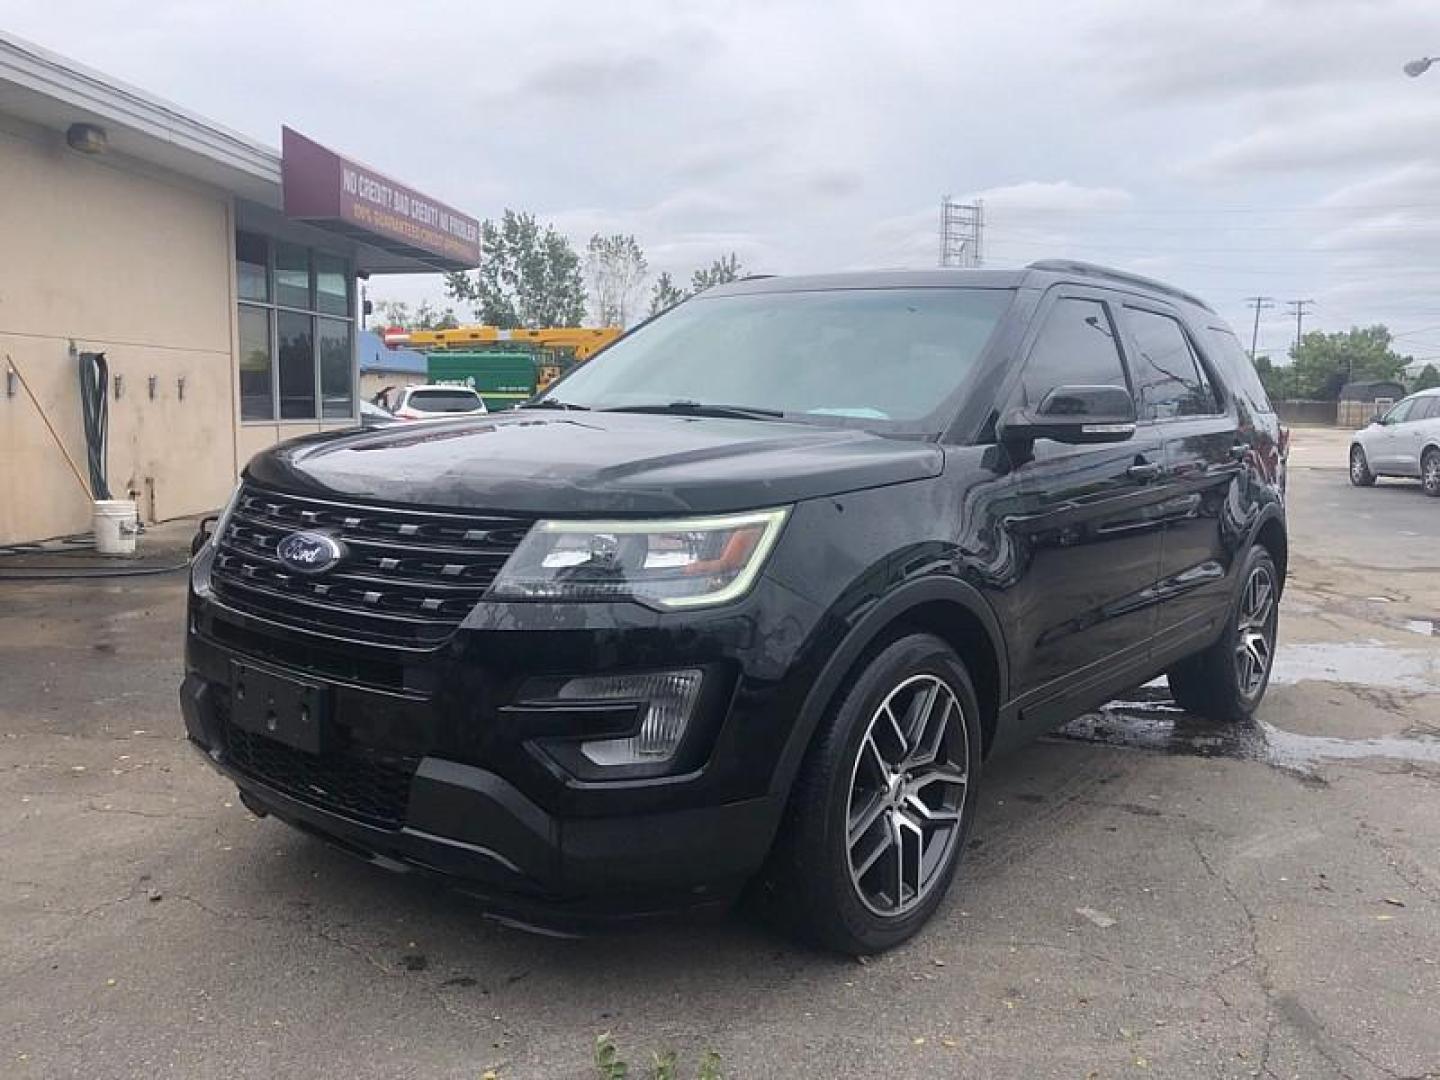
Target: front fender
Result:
[863, 627]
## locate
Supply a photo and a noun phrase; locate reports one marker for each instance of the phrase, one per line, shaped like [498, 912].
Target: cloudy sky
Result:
[1235, 147]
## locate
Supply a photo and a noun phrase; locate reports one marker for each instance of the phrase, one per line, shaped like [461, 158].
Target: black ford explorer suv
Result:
[750, 596]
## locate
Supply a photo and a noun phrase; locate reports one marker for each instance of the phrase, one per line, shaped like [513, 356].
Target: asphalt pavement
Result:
[1145, 895]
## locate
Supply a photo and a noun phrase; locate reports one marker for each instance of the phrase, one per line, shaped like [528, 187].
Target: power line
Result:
[1417, 333]
[1038, 239]
[1191, 211]
[1258, 303]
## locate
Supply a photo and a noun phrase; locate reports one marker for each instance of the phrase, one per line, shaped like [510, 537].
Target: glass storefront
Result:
[297, 331]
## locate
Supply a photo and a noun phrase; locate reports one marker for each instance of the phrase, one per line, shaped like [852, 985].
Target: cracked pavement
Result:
[1275, 902]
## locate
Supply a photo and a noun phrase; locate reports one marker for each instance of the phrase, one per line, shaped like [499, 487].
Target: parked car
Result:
[752, 596]
[373, 416]
[430, 401]
[1405, 441]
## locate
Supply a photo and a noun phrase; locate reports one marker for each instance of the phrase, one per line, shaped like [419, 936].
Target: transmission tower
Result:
[962, 231]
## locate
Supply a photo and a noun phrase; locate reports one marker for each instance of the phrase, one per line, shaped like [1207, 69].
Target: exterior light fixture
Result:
[87, 138]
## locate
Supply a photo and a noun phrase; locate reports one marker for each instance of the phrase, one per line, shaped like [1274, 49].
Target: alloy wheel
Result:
[1430, 473]
[1358, 467]
[907, 795]
[1255, 642]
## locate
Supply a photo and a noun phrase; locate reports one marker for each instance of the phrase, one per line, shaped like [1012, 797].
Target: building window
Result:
[296, 352]
[297, 334]
[257, 395]
[336, 389]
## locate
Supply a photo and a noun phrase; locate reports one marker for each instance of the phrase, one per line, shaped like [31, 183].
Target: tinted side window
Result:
[1167, 378]
[1400, 413]
[1239, 370]
[1426, 408]
[1076, 347]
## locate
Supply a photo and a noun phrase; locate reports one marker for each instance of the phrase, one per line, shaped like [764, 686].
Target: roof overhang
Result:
[54, 92]
[388, 228]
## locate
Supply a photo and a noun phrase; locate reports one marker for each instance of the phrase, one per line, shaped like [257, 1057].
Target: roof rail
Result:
[1075, 266]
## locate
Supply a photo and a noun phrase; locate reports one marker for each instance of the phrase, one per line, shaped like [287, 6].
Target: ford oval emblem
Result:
[309, 552]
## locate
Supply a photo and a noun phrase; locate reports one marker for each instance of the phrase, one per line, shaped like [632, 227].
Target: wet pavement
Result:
[1146, 893]
[1151, 721]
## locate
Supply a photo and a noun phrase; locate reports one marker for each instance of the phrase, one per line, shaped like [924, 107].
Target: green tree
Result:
[724, 269]
[616, 269]
[1428, 379]
[1323, 363]
[425, 317]
[528, 277]
[665, 294]
[393, 313]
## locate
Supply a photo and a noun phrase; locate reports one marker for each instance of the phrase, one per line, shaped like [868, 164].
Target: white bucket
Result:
[115, 525]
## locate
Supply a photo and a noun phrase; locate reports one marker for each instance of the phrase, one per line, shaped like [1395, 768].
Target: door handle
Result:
[1144, 471]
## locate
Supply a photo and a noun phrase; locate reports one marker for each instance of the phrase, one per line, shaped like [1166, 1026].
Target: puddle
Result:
[1150, 720]
[1361, 663]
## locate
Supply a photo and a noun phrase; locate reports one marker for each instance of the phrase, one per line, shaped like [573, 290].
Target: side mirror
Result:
[1377, 419]
[1074, 414]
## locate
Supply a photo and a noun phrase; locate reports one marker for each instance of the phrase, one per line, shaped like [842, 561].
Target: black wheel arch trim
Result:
[1269, 513]
[890, 609]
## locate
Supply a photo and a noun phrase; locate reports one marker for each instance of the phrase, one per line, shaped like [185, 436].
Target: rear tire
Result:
[1430, 472]
[1228, 680]
[1360, 474]
[882, 807]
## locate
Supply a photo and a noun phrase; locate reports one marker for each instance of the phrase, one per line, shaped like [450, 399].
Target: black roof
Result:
[1037, 275]
[1369, 391]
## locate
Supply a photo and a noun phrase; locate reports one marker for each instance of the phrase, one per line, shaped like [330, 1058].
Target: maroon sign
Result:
[326, 189]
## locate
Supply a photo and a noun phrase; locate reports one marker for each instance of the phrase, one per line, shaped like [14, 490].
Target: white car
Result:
[1403, 442]
[432, 402]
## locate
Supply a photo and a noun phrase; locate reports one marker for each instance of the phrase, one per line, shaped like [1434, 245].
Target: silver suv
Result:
[1403, 442]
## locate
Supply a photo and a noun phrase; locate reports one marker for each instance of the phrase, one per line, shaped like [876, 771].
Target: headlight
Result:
[679, 563]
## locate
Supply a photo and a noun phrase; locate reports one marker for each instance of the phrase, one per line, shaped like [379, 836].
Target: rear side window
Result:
[443, 401]
[1426, 408]
[1076, 347]
[1239, 370]
[1167, 375]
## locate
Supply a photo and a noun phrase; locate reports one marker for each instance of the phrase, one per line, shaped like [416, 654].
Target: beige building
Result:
[216, 275]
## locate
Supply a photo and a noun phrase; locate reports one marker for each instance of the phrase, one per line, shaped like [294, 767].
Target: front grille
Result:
[408, 577]
[370, 785]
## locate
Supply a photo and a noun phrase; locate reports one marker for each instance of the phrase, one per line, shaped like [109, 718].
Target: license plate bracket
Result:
[278, 706]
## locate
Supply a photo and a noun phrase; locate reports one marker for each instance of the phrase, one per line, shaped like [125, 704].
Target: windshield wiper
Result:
[699, 408]
[555, 403]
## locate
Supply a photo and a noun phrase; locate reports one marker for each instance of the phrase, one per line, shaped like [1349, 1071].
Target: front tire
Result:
[1360, 474]
[883, 804]
[1430, 472]
[1228, 680]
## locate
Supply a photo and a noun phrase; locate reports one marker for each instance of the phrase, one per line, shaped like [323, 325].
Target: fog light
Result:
[667, 699]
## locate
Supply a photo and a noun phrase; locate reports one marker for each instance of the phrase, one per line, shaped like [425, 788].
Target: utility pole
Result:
[1257, 302]
[1298, 308]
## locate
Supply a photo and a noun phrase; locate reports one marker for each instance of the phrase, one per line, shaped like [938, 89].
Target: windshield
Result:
[443, 401]
[885, 359]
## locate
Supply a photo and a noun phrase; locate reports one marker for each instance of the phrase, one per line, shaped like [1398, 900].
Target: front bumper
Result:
[471, 825]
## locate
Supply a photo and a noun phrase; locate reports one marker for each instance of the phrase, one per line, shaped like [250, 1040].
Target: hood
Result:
[593, 463]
